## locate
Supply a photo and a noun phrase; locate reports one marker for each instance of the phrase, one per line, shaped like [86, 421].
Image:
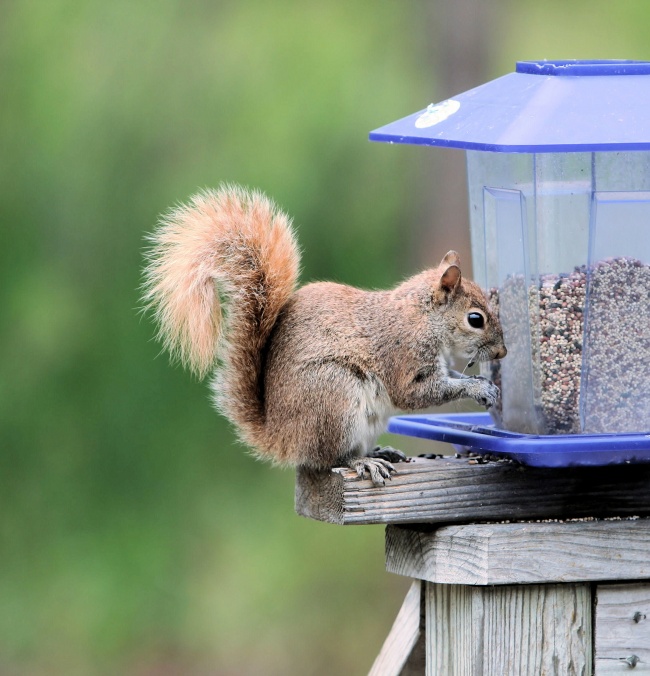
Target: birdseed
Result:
[596, 387]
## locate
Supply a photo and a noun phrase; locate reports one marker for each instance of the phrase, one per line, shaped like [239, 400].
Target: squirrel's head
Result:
[473, 328]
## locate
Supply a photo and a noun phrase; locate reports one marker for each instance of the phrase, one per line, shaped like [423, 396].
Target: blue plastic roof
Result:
[545, 106]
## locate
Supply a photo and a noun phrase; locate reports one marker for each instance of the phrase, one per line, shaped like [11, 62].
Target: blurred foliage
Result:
[137, 536]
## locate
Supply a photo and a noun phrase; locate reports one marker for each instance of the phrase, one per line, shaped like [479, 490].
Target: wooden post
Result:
[474, 626]
[514, 630]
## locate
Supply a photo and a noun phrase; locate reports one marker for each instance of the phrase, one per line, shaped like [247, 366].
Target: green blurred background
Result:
[137, 537]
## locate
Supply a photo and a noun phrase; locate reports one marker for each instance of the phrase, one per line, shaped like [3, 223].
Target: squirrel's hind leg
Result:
[389, 453]
[378, 464]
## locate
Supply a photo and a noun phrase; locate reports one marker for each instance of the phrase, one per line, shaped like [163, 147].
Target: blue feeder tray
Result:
[474, 431]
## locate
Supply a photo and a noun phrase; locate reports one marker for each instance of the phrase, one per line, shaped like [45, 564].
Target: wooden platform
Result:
[450, 490]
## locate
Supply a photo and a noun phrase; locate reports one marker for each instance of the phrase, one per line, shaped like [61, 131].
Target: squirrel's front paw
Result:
[485, 392]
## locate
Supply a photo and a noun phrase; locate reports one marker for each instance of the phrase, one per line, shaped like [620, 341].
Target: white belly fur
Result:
[374, 409]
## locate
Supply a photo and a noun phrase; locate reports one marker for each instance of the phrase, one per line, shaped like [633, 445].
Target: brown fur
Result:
[308, 377]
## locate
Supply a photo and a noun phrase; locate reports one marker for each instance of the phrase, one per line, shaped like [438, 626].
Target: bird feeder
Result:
[558, 170]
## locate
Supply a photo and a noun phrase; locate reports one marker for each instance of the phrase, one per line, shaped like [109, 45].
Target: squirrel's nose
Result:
[501, 352]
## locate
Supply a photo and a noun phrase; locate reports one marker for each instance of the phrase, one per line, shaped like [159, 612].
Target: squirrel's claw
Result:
[377, 468]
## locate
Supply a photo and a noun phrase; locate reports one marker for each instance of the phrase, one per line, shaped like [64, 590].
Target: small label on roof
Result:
[437, 112]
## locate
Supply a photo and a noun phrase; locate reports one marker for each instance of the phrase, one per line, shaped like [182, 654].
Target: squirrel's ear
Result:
[451, 258]
[449, 282]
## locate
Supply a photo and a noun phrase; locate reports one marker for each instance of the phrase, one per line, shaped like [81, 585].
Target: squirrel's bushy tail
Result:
[224, 244]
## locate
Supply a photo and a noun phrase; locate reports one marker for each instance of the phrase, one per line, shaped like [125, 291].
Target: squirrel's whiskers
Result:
[470, 363]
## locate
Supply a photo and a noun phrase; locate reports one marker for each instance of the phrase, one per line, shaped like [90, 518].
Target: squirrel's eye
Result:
[475, 320]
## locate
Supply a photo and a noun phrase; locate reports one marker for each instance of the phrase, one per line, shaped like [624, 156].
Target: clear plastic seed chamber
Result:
[562, 243]
[558, 170]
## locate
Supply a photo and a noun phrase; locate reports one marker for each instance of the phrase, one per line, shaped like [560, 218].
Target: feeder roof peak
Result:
[544, 106]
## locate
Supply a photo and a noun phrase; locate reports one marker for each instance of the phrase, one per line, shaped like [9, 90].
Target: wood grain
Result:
[622, 628]
[524, 630]
[453, 491]
[403, 651]
[482, 554]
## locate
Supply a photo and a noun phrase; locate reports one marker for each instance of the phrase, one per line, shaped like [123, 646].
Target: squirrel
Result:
[308, 376]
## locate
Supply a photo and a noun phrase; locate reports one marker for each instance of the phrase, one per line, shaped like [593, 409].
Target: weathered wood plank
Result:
[622, 629]
[403, 651]
[511, 553]
[453, 491]
[523, 630]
